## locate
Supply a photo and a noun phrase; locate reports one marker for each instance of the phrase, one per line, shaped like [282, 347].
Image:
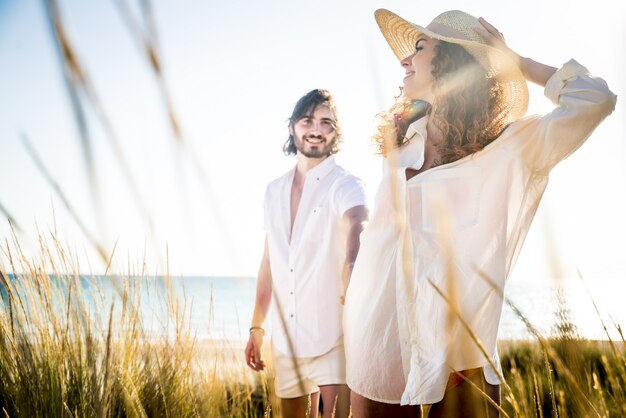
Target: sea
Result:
[220, 308]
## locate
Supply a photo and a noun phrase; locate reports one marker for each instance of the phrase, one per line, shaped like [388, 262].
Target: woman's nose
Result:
[406, 61]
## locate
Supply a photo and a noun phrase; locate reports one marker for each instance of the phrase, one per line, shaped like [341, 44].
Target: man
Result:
[314, 215]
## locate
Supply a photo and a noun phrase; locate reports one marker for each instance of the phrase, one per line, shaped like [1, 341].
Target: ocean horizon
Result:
[220, 308]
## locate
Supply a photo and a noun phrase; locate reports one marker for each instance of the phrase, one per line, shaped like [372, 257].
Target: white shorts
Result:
[327, 369]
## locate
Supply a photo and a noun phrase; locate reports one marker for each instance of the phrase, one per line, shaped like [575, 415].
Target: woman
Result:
[462, 179]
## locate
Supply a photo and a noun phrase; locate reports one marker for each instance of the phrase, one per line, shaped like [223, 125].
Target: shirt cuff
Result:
[568, 71]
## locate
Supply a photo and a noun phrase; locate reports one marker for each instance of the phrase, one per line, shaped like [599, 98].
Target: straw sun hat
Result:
[459, 27]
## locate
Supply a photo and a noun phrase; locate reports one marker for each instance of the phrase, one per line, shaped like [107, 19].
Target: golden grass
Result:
[570, 378]
[67, 349]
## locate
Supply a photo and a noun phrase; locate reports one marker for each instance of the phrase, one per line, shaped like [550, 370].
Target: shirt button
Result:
[291, 293]
[291, 270]
[291, 315]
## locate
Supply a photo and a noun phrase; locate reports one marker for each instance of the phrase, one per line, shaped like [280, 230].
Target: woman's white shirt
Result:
[436, 254]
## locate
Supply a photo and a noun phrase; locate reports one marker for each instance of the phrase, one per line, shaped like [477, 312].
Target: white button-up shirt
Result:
[450, 228]
[306, 271]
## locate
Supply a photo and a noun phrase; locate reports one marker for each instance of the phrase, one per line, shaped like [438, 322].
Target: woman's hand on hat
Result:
[495, 38]
[533, 71]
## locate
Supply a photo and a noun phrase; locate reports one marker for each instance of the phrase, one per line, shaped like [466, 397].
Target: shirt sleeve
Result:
[350, 192]
[582, 103]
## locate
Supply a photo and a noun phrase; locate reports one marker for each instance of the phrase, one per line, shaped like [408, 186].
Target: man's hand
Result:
[253, 351]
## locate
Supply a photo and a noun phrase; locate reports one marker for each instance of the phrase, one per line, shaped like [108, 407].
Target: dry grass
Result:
[67, 349]
[570, 378]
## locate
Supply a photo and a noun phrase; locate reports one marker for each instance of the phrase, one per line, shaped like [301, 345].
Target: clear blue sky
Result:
[234, 71]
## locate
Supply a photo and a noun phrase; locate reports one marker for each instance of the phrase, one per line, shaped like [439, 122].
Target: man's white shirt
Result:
[306, 262]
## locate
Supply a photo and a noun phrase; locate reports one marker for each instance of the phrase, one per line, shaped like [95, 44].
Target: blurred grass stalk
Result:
[562, 375]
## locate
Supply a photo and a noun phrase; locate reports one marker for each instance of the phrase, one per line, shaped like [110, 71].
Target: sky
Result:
[234, 70]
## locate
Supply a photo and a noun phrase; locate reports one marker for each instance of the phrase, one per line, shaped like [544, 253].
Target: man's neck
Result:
[305, 163]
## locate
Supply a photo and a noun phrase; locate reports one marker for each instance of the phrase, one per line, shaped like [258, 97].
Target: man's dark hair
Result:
[305, 107]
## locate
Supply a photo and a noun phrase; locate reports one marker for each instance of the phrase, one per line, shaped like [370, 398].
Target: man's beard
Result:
[318, 151]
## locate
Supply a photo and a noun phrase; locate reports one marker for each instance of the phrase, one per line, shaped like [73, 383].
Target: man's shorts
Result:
[327, 369]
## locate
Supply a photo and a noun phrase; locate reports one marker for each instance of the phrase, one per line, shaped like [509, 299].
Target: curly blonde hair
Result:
[467, 108]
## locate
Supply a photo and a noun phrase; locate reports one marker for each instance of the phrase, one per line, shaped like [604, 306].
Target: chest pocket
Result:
[450, 199]
[315, 224]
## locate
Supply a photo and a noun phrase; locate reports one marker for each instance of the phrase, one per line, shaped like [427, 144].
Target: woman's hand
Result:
[532, 70]
[495, 38]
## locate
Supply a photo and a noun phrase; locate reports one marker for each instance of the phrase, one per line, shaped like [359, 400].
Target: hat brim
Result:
[401, 36]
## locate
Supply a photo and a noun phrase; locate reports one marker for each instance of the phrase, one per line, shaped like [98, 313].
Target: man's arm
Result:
[261, 306]
[354, 219]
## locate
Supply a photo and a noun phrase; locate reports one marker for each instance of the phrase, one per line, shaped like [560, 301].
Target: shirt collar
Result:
[417, 127]
[412, 154]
